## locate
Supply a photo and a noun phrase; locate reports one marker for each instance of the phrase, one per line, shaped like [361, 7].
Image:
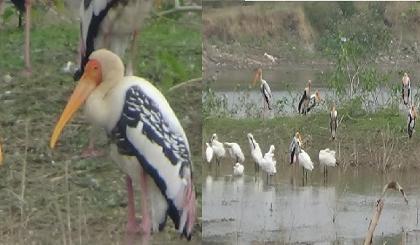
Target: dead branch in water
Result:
[379, 206]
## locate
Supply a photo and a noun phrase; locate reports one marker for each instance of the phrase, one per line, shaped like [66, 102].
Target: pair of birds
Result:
[412, 114]
[267, 162]
[298, 155]
[216, 149]
[307, 102]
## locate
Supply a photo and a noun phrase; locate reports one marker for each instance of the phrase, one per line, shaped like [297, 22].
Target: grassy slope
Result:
[96, 188]
[360, 138]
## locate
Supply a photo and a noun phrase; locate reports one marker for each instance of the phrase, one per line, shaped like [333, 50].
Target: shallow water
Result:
[244, 210]
[287, 83]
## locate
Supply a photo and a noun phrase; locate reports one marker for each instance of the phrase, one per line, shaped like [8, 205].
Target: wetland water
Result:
[245, 210]
[287, 84]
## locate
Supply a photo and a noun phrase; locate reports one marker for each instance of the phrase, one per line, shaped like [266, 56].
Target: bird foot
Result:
[91, 152]
[135, 228]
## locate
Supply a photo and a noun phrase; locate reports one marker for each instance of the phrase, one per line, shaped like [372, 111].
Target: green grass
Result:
[97, 184]
[364, 134]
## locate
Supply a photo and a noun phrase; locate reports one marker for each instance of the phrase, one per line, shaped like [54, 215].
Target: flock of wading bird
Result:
[147, 140]
[297, 155]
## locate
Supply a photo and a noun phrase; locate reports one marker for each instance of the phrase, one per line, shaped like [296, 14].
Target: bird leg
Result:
[28, 69]
[146, 223]
[132, 54]
[132, 226]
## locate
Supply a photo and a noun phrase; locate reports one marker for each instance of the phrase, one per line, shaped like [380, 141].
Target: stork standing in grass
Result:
[314, 100]
[406, 88]
[24, 7]
[218, 149]
[304, 100]
[327, 159]
[110, 24]
[235, 152]
[411, 121]
[267, 97]
[333, 122]
[147, 141]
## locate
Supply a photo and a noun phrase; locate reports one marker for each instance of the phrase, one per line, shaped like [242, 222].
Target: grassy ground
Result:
[376, 140]
[50, 197]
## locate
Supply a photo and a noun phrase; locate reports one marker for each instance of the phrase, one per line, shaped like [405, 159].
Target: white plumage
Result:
[267, 163]
[256, 153]
[235, 152]
[305, 160]
[327, 158]
[218, 148]
[209, 153]
[147, 141]
[238, 169]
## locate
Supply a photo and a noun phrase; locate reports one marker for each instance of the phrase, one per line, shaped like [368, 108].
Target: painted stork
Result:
[411, 121]
[235, 152]
[406, 88]
[147, 141]
[265, 91]
[294, 148]
[314, 100]
[238, 169]
[218, 149]
[256, 153]
[209, 153]
[333, 122]
[304, 100]
[109, 24]
[327, 159]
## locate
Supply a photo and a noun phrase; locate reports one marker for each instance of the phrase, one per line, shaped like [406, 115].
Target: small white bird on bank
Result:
[327, 159]
[270, 57]
[218, 149]
[209, 153]
[238, 169]
[235, 152]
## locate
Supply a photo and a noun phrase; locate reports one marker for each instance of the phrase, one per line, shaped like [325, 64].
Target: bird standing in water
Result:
[333, 122]
[294, 148]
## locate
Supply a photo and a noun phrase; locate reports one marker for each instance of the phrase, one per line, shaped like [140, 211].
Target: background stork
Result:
[267, 97]
[109, 24]
[304, 100]
[147, 141]
[406, 88]
[411, 121]
[333, 122]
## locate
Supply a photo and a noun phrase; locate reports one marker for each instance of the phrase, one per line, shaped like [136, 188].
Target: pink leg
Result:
[28, 69]
[146, 223]
[189, 205]
[132, 226]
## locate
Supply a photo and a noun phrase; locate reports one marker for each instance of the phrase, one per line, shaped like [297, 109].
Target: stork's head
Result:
[333, 107]
[309, 84]
[103, 70]
[405, 74]
[298, 137]
[214, 137]
[258, 76]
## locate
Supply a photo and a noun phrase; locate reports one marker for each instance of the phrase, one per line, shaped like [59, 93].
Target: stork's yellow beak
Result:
[90, 79]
